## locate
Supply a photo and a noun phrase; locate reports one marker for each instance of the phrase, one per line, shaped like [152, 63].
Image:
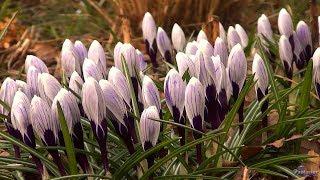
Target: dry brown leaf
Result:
[249, 151]
[277, 143]
[294, 137]
[312, 165]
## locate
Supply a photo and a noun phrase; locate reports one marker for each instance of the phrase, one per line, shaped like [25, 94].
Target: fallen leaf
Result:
[250, 151]
[277, 143]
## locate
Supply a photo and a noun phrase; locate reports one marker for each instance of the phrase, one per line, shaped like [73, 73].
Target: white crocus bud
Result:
[90, 69]
[192, 47]
[304, 36]
[285, 23]
[286, 55]
[8, 89]
[48, 87]
[233, 37]
[201, 36]
[260, 74]
[298, 55]
[237, 65]
[178, 38]
[141, 63]
[264, 28]
[185, 63]
[24, 87]
[222, 32]
[97, 55]
[242, 34]
[316, 70]
[75, 83]
[203, 75]
[36, 62]
[206, 48]
[117, 55]
[70, 60]
[32, 80]
[220, 49]
[116, 108]
[129, 53]
[117, 78]
[81, 50]
[69, 107]
[149, 128]
[164, 45]
[150, 93]
[149, 29]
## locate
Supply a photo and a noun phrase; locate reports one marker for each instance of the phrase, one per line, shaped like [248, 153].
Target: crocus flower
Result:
[233, 37]
[178, 38]
[195, 106]
[70, 60]
[206, 48]
[222, 32]
[299, 56]
[286, 55]
[20, 117]
[185, 64]
[32, 80]
[71, 112]
[220, 48]
[94, 106]
[117, 55]
[119, 81]
[211, 111]
[117, 113]
[242, 34]
[24, 87]
[46, 127]
[285, 26]
[262, 83]
[174, 91]
[316, 70]
[75, 83]
[192, 47]
[201, 36]
[48, 87]
[141, 63]
[237, 67]
[149, 30]
[149, 130]
[36, 62]
[164, 45]
[81, 50]
[304, 36]
[96, 54]
[150, 94]
[90, 69]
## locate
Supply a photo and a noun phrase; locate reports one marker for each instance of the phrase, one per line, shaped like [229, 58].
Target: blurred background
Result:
[40, 26]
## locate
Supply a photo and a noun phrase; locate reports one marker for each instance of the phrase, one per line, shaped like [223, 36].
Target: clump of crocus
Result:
[174, 91]
[262, 83]
[94, 106]
[46, 127]
[164, 45]
[71, 112]
[195, 106]
[237, 67]
[149, 130]
[178, 38]
[149, 31]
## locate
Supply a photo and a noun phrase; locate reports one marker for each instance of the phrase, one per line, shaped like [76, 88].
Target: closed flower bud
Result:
[233, 37]
[32, 80]
[185, 63]
[48, 87]
[298, 56]
[164, 45]
[242, 34]
[264, 28]
[201, 36]
[81, 51]
[24, 87]
[36, 62]
[149, 128]
[192, 47]
[316, 70]
[285, 23]
[260, 74]
[222, 32]
[149, 29]
[75, 83]
[220, 48]
[90, 69]
[286, 55]
[117, 78]
[206, 48]
[96, 54]
[117, 55]
[141, 63]
[130, 55]
[150, 93]
[70, 60]
[237, 65]
[304, 36]
[8, 89]
[203, 75]
[178, 38]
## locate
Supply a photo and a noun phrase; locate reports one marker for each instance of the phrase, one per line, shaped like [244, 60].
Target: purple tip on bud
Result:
[96, 54]
[36, 62]
[201, 36]
[90, 69]
[285, 23]
[178, 38]
[233, 37]
[48, 87]
[164, 45]
[192, 48]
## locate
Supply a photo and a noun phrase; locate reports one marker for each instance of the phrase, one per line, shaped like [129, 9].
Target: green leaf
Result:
[279, 160]
[68, 142]
[266, 171]
[286, 170]
[186, 177]
[80, 176]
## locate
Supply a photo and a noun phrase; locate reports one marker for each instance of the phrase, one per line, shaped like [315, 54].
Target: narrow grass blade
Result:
[279, 160]
[4, 31]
